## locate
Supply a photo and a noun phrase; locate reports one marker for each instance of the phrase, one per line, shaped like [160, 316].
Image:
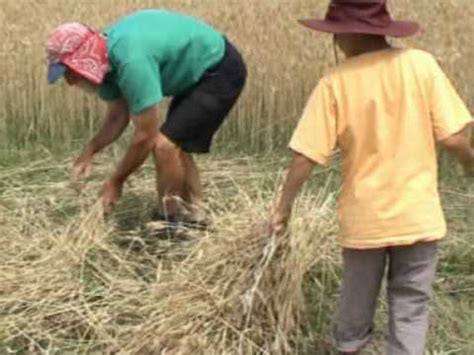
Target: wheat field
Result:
[72, 282]
[285, 61]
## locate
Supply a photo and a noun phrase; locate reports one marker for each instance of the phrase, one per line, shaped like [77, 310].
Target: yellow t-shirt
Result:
[385, 111]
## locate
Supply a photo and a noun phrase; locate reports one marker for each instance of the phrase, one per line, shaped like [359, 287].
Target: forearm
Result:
[109, 133]
[117, 119]
[460, 146]
[466, 157]
[137, 152]
[299, 171]
[144, 138]
[470, 160]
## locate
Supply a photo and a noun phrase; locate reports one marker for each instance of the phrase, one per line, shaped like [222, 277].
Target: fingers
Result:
[79, 173]
[87, 171]
[110, 194]
[270, 228]
[76, 183]
[280, 229]
[107, 199]
[108, 205]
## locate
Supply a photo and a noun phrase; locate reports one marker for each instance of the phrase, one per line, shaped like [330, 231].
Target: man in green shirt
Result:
[133, 65]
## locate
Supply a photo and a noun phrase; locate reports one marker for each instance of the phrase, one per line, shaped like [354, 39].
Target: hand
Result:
[278, 223]
[81, 170]
[110, 193]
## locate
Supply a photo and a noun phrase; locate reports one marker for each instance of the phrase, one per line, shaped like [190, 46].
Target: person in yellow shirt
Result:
[386, 109]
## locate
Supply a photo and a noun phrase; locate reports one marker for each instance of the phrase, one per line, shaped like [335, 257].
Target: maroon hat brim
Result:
[394, 29]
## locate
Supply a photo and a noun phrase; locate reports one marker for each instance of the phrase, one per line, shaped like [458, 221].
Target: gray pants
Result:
[411, 271]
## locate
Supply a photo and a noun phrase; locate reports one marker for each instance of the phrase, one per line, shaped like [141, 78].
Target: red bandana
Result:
[81, 49]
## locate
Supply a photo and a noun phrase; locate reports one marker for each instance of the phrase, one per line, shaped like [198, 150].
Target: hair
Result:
[363, 41]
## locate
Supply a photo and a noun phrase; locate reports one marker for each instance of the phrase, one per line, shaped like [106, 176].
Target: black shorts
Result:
[194, 118]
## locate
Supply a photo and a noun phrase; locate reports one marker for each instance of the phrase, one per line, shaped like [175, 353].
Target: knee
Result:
[408, 302]
[164, 147]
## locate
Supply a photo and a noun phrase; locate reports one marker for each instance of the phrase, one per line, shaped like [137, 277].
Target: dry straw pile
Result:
[72, 282]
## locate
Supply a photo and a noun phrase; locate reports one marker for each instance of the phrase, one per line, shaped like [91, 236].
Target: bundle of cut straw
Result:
[236, 293]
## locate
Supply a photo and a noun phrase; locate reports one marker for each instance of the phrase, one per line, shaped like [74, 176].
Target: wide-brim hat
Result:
[79, 48]
[364, 17]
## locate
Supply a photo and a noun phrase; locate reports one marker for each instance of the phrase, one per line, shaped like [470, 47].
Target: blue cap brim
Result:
[55, 71]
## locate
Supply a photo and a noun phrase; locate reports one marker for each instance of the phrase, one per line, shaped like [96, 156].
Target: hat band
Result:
[372, 14]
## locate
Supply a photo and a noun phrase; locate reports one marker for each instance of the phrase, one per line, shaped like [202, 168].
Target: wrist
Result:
[87, 154]
[283, 212]
[117, 179]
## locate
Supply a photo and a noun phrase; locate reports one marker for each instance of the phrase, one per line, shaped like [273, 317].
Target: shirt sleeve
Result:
[316, 133]
[449, 114]
[140, 82]
[109, 92]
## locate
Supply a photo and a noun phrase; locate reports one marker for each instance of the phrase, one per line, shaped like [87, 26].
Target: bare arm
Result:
[299, 171]
[462, 148]
[143, 140]
[116, 121]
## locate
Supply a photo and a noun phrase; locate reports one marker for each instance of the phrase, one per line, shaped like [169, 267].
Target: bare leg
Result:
[193, 192]
[192, 186]
[171, 176]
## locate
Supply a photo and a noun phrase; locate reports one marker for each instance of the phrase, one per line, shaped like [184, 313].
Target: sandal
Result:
[181, 220]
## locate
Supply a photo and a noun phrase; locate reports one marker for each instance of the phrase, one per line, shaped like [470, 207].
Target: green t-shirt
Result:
[156, 53]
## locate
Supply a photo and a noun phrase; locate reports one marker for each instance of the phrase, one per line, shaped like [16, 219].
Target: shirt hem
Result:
[455, 129]
[146, 105]
[319, 159]
[394, 241]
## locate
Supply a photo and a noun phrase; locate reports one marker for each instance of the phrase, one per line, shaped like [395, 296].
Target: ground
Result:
[60, 259]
